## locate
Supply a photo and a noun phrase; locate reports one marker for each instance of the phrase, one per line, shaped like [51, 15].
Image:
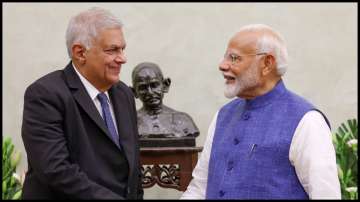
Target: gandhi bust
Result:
[154, 118]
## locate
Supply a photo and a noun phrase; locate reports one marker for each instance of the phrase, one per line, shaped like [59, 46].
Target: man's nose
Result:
[224, 66]
[121, 58]
[149, 90]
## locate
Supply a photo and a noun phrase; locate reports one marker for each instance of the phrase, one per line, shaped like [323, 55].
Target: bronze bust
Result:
[155, 120]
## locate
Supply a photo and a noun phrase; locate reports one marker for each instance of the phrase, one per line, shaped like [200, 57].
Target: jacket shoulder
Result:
[125, 88]
[50, 81]
[297, 100]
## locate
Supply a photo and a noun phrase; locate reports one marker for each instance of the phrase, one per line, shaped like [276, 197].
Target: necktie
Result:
[108, 118]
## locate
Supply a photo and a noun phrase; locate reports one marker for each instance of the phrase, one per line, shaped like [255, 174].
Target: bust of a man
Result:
[154, 118]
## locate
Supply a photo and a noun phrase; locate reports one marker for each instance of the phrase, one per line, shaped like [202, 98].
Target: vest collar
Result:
[268, 97]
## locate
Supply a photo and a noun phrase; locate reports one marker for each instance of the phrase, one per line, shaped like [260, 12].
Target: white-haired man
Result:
[80, 124]
[269, 143]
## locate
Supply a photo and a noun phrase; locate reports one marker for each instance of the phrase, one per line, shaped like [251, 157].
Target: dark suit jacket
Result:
[70, 154]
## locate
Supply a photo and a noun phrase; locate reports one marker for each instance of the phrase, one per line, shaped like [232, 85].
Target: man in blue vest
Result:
[269, 143]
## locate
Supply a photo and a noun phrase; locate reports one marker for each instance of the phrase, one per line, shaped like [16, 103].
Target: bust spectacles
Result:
[234, 58]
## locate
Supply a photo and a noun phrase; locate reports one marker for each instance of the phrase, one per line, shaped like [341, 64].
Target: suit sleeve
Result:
[46, 146]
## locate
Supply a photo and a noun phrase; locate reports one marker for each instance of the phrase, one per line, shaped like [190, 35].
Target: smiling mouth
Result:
[115, 69]
[229, 79]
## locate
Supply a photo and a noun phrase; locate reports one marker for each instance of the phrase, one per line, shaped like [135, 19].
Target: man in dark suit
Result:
[80, 124]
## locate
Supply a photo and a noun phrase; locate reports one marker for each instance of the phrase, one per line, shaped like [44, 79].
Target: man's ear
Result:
[134, 92]
[78, 52]
[269, 65]
[166, 83]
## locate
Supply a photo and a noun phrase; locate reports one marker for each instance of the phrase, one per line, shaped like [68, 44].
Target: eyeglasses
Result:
[234, 58]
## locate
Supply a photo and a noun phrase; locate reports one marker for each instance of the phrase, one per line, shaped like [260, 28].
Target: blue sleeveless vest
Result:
[250, 151]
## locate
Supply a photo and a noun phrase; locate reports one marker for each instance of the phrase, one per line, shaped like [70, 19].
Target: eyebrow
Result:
[118, 47]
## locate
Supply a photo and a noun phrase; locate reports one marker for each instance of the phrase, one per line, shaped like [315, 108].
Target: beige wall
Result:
[188, 40]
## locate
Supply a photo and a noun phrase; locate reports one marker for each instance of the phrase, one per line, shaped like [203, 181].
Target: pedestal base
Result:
[169, 167]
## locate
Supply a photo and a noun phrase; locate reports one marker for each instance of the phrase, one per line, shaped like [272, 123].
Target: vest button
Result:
[236, 141]
[221, 193]
[246, 116]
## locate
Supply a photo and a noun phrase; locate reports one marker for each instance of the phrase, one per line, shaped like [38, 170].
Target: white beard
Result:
[232, 90]
[244, 81]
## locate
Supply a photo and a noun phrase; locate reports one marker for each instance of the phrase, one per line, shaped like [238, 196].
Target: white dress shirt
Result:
[311, 152]
[93, 92]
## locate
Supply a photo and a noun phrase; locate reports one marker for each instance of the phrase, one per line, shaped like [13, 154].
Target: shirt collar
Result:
[92, 91]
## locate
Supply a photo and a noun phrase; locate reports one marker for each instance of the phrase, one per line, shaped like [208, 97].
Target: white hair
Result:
[270, 41]
[85, 26]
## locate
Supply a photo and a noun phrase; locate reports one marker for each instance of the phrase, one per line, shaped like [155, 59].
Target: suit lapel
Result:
[122, 114]
[83, 98]
[121, 110]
